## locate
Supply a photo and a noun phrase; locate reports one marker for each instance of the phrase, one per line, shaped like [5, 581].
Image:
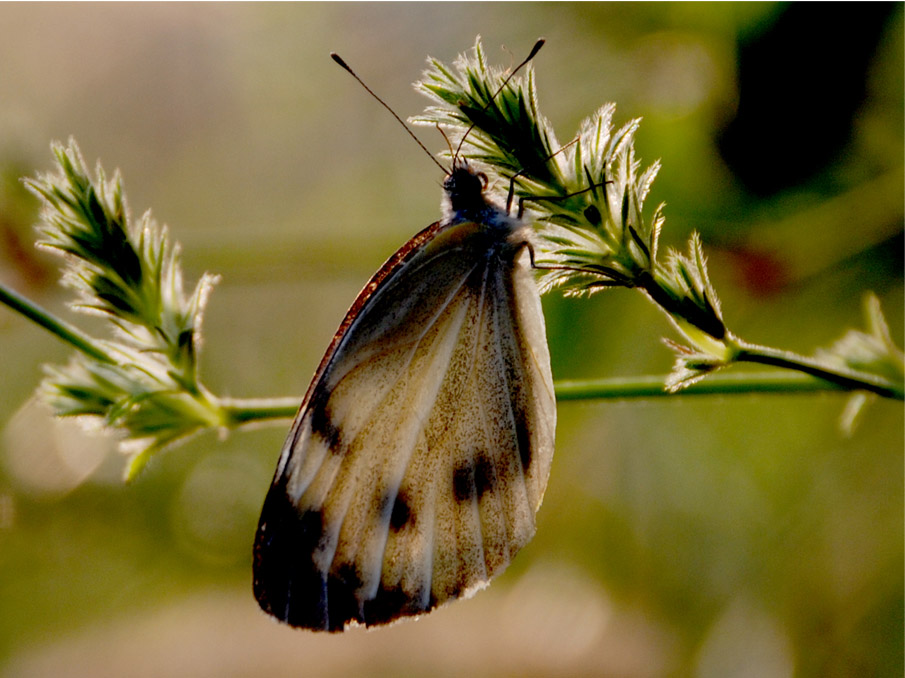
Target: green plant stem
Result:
[248, 411]
[809, 377]
[239, 412]
[841, 376]
[740, 351]
[652, 386]
[50, 322]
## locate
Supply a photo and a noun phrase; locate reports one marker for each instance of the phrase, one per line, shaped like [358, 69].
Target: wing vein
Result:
[415, 344]
[492, 456]
[513, 415]
[402, 374]
[470, 452]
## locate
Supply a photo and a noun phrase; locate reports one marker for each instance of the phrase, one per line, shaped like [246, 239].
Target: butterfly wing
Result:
[420, 455]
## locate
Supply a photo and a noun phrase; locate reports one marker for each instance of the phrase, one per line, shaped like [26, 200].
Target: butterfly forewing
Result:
[420, 455]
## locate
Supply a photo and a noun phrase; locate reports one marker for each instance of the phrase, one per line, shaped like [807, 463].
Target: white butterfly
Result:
[418, 459]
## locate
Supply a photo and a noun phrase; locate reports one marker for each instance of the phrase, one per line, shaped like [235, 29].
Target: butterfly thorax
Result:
[465, 200]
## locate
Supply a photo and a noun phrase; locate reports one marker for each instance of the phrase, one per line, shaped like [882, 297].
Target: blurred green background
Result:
[705, 536]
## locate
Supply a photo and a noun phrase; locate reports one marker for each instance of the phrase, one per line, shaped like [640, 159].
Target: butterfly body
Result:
[420, 454]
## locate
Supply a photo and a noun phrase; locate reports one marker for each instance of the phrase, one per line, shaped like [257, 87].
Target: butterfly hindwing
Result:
[420, 455]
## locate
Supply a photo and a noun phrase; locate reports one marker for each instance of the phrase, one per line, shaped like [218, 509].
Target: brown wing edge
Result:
[408, 250]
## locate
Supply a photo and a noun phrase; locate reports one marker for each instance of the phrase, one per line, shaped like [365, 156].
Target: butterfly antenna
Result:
[523, 172]
[445, 138]
[338, 59]
[534, 50]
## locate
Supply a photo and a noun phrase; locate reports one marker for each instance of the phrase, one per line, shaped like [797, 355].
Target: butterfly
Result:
[420, 454]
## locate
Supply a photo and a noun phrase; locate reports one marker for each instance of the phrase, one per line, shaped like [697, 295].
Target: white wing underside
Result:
[417, 465]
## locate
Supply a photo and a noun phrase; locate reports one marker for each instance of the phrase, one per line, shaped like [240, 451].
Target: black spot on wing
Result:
[484, 474]
[463, 481]
[287, 583]
[387, 605]
[513, 354]
[402, 512]
[521, 416]
[342, 597]
[523, 435]
[321, 421]
[392, 602]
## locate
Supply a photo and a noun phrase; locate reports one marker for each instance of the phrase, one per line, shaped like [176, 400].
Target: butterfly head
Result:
[465, 190]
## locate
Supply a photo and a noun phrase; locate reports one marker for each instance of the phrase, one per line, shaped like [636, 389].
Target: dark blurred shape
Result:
[801, 81]
[761, 273]
[21, 264]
